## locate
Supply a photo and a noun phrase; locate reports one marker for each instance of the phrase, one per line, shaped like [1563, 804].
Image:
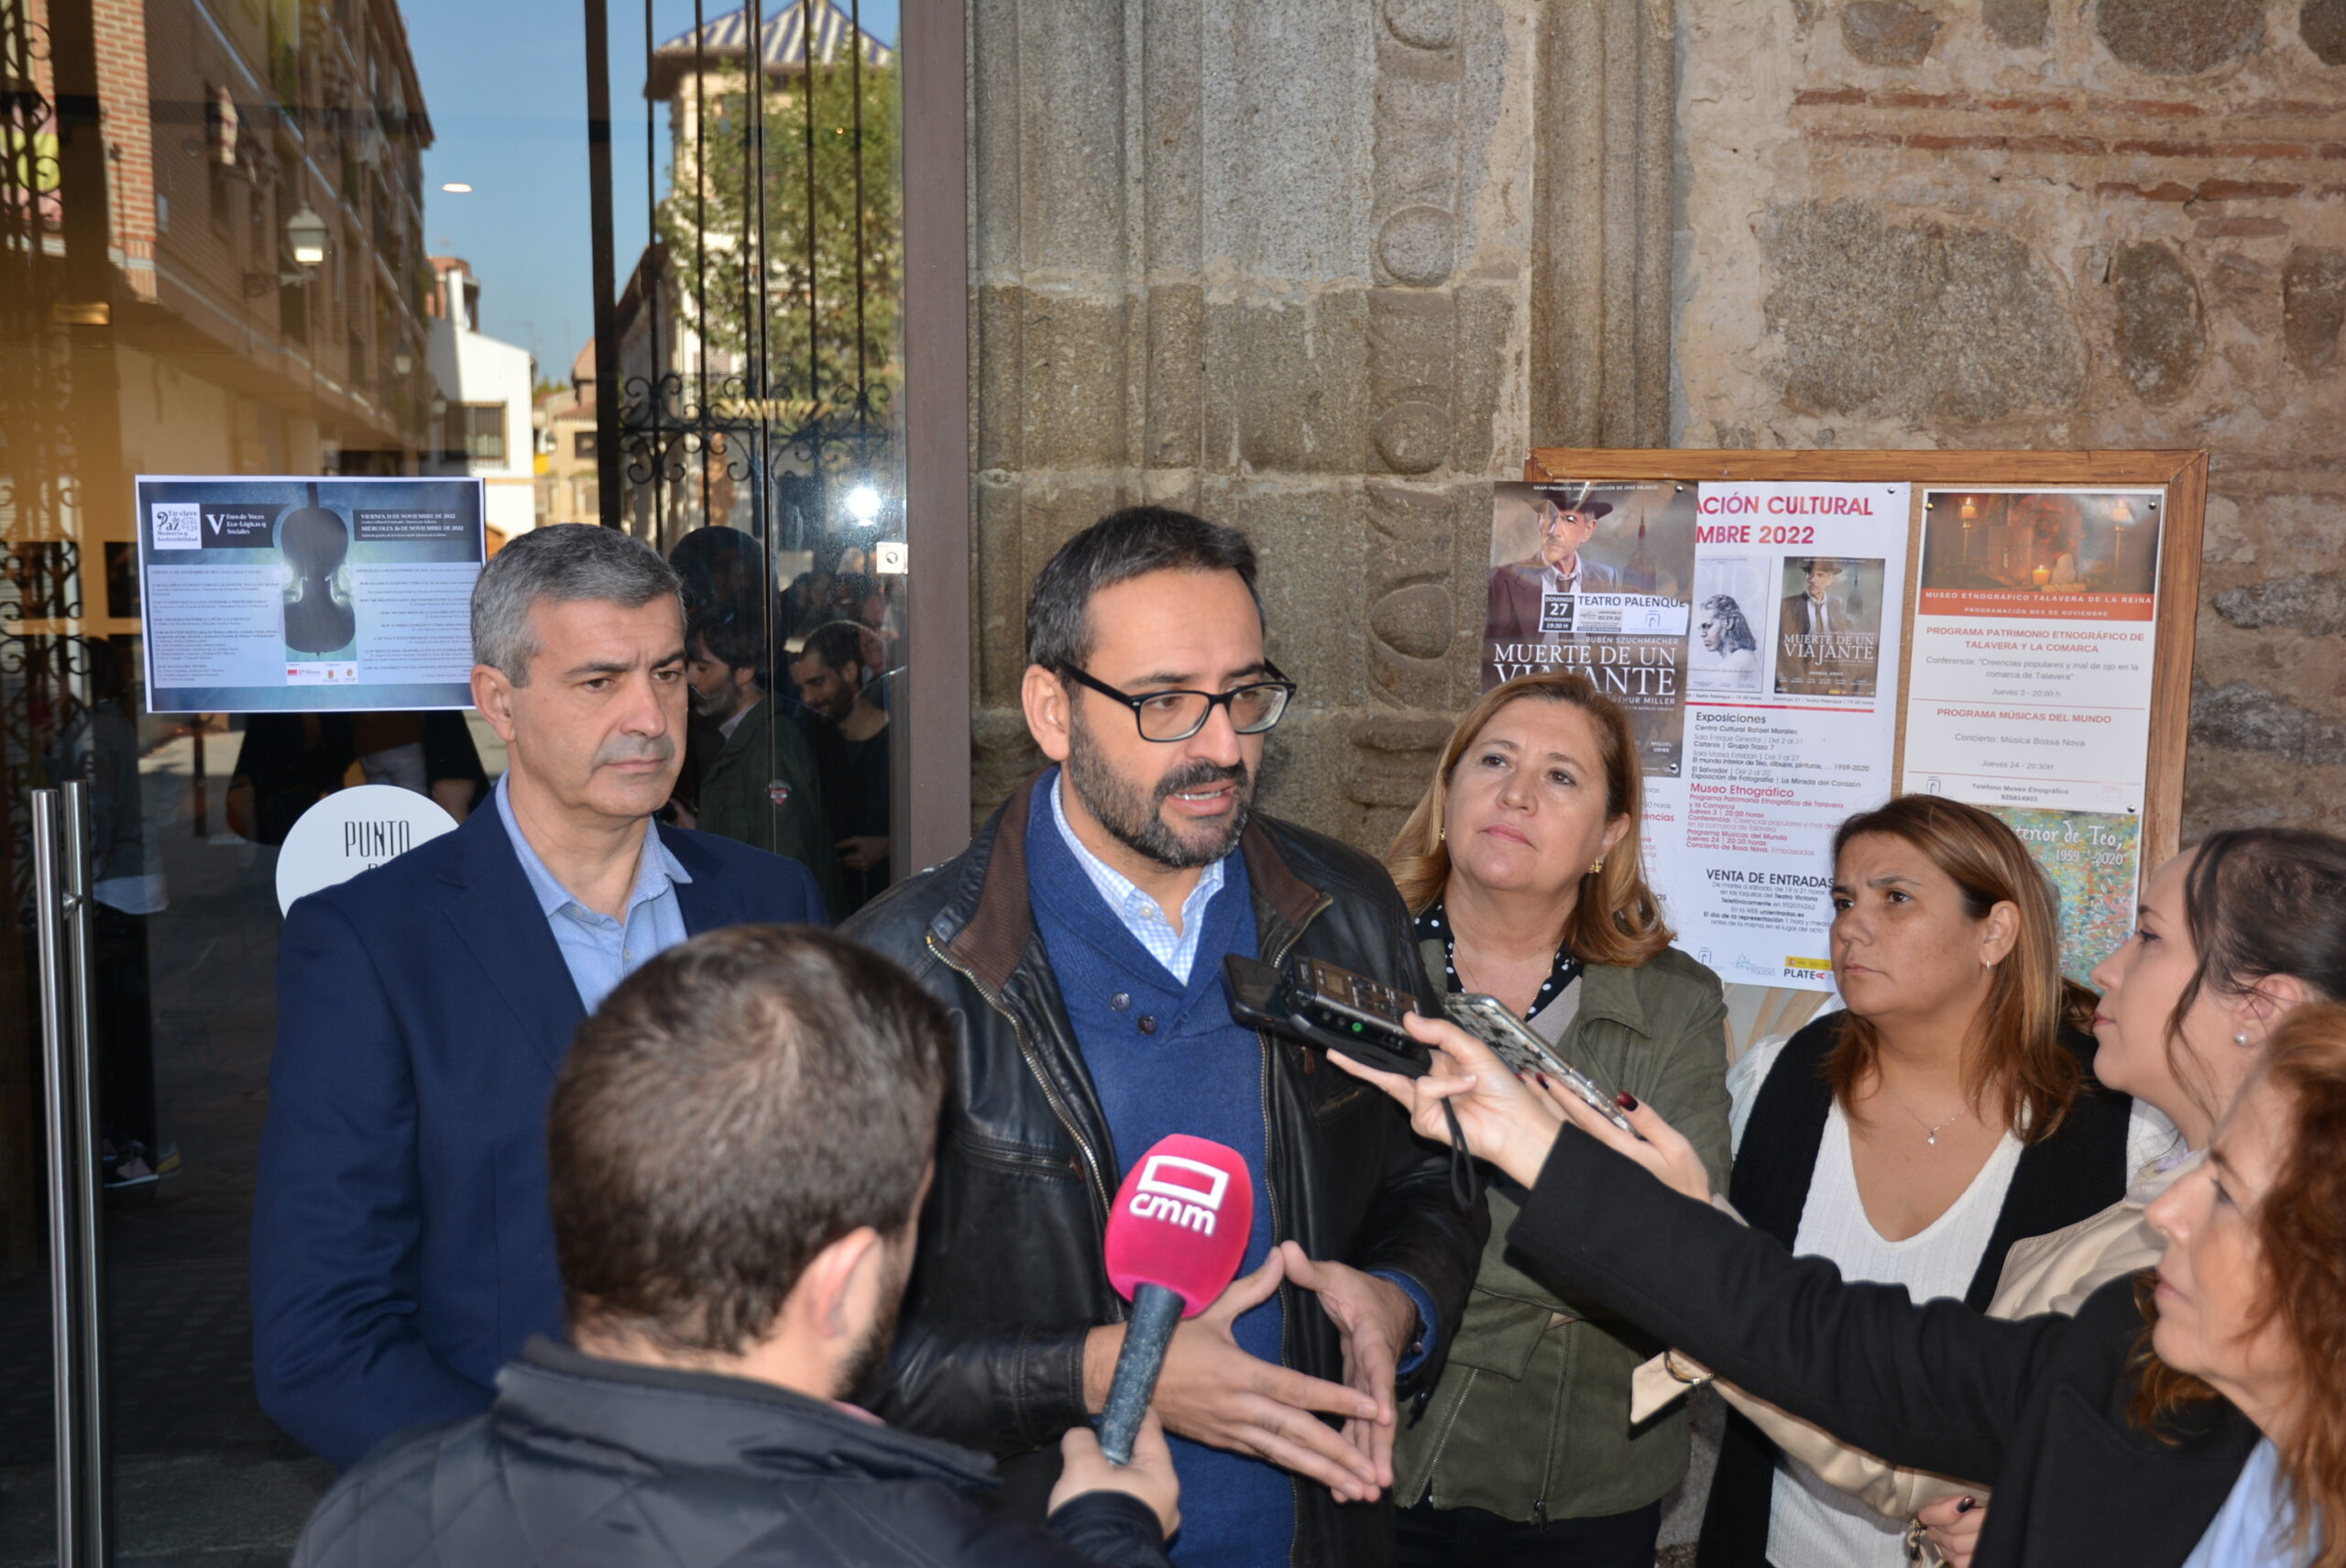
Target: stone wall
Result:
[1273, 260]
[1323, 269]
[2052, 223]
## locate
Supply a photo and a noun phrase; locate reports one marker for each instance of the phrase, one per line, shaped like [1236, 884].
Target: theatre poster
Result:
[1792, 668]
[2031, 689]
[305, 594]
[1597, 578]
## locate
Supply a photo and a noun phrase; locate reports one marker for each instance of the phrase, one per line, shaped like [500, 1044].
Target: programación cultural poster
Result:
[308, 594]
[1790, 717]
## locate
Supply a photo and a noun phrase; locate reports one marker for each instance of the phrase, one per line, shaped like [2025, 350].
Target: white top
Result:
[1812, 1524]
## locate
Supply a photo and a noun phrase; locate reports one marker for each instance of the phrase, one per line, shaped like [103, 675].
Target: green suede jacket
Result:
[1532, 1417]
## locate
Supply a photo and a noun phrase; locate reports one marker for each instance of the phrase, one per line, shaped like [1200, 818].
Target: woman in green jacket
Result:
[1522, 865]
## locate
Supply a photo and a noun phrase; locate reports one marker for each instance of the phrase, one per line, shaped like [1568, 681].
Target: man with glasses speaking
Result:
[1079, 940]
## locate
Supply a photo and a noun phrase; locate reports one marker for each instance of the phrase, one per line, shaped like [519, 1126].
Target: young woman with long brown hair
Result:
[1522, 868]
[1949, 1111]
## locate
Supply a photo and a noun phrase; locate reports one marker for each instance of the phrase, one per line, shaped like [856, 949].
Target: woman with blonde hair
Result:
[1522, 868]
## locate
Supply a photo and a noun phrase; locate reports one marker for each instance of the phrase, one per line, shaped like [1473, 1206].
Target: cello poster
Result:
[308, 594]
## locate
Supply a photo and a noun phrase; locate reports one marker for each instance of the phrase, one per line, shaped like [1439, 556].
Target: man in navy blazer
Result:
[401, 1246]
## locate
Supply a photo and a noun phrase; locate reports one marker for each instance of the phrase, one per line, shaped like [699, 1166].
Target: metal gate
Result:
[754, 341]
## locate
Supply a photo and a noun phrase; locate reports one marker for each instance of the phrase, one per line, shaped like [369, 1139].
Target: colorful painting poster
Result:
[2092, 858]
[1595, 578]
[308, 594]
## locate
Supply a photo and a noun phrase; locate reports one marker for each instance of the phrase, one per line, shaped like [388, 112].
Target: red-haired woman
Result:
[1949, 1111]
[1522, 865]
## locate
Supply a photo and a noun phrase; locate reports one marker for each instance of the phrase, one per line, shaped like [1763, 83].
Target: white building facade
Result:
[485, 388]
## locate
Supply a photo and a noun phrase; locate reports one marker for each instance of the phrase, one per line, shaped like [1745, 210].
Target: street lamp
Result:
[305, 240]
[305, 235]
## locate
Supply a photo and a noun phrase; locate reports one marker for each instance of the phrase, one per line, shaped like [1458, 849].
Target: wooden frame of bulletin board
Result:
[1757, 1011]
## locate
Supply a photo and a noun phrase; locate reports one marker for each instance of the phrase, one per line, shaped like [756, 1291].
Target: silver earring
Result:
[2239, 1039]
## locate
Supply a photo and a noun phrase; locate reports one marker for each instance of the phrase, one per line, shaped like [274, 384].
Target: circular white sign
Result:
[351, 830]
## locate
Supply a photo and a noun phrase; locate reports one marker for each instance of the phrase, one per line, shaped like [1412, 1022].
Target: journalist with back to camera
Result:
[1079, 940]
[401, 1246]
[738, 1146]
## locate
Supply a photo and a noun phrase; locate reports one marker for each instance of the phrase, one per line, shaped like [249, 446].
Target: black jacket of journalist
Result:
[1010, 1275]
[2038, 1404]
[582, 1461]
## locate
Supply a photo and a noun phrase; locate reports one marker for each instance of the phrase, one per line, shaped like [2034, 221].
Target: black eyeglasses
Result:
[1167, 716]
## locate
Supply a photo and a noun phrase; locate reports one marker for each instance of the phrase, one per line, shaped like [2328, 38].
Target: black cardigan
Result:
[2038, 1404]
[2078, 1171]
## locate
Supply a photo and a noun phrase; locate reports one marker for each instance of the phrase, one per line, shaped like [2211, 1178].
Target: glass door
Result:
[644, 269]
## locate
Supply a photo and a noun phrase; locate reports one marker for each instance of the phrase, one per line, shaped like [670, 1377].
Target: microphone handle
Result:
[1156, 1312]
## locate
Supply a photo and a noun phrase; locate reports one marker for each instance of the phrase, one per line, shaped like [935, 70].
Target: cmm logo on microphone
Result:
[1186, 1191]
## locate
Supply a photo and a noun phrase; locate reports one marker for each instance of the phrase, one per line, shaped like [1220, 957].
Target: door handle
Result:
[62, 920]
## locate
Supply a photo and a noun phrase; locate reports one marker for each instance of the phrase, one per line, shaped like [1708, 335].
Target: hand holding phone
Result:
[1511, 1039]
[1336, 1010]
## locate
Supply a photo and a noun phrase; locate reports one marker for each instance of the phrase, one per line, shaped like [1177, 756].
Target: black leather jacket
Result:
[1010, 1275]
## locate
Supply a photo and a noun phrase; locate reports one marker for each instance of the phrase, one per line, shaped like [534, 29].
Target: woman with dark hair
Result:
[1949, 1111]
[1522, 868]
[2191, 1415]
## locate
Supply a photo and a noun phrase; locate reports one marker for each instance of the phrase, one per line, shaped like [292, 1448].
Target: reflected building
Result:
[210, 262]
[566, 471]
[482, 393]
[736, 407]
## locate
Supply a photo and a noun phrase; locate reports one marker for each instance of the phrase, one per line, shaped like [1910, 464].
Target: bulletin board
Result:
[2013, 629]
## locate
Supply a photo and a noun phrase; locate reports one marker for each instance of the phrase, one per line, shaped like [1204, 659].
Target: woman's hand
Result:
[1505, 1119]
[1954, 1526]
[1659, 1146]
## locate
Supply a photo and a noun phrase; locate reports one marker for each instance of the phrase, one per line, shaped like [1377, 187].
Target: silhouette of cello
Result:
[315, 541]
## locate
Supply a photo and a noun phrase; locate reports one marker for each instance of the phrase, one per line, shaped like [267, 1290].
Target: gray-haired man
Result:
[401, 1251]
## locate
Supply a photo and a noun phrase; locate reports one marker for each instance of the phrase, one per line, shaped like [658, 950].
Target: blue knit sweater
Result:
[1166, 1057]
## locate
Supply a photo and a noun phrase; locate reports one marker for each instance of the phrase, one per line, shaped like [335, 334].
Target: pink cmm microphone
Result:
[1175, 1240]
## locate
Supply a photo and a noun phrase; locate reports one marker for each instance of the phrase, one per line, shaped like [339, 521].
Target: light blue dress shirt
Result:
[598, 951]
[1140, 914]
[2255, 1527]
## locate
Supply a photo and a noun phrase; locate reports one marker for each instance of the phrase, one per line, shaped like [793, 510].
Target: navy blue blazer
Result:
[401, 1245]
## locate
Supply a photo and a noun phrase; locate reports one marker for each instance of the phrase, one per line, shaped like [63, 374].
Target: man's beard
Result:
[1139, 825]
[839, 706]
[708, 707]
[859, 1379]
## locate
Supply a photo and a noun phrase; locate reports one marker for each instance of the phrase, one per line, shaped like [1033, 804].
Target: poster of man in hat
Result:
[1828, 628]
[1593, 577]
[1556, 568]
